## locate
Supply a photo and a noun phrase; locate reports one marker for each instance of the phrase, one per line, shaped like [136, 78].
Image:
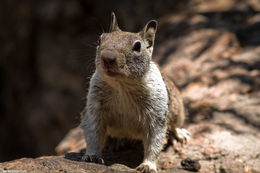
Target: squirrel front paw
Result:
[147, 167]
[92, 158]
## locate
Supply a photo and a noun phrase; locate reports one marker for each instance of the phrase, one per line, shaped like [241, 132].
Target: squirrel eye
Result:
[137, 46]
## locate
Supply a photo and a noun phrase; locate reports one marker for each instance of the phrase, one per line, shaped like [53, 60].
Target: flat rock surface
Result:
[58, 164]
[213, 145]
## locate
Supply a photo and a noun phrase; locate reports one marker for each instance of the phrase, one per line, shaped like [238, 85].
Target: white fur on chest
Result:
[130, 105]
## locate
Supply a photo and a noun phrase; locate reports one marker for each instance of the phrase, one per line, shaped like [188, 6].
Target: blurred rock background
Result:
[210, 48]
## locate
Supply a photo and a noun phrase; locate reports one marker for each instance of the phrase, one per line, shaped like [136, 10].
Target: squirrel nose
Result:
[109, 58]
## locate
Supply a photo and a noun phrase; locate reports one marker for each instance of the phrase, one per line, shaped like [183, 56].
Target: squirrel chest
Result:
[129, 106]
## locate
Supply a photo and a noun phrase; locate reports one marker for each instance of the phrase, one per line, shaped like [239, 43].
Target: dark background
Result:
[47, 50]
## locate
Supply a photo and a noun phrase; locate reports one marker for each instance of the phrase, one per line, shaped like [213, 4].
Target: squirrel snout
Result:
[109, 58]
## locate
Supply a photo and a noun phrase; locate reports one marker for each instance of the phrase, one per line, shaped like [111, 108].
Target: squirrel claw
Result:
[92, 158]
[145, 169]
[148, 167]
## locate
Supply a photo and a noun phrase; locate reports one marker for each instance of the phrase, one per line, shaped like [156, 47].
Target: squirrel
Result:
[129, 97]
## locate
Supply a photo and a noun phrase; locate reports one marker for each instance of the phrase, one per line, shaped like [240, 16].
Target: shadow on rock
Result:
[130, 156]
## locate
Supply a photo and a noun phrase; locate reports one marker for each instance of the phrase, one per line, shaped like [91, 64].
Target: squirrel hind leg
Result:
[180, 134]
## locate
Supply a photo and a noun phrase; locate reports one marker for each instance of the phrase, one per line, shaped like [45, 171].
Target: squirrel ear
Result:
[113, 23]
[148, 32]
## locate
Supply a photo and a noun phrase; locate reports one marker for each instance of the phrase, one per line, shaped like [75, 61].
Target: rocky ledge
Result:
[217, 146]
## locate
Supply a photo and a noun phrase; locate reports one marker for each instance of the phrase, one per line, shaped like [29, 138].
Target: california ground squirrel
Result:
[129, 98]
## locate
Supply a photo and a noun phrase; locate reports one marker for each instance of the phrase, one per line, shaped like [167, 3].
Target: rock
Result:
[216, 144]
[59, 164]
[191, 165]
[72, 142]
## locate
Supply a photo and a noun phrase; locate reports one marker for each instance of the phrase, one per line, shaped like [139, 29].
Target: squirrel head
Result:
[123, 54]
